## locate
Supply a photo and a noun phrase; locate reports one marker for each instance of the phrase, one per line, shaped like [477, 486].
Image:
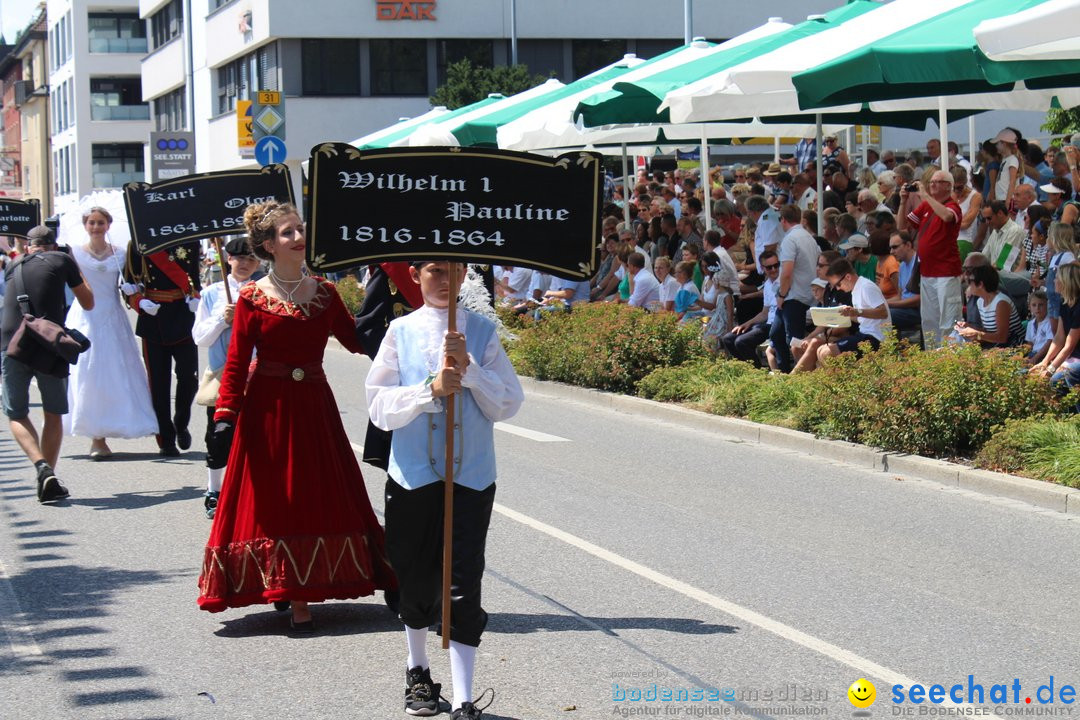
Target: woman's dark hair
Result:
[655, 230]
[712, 237]
[990, 148]
[710, 259]
[1035, 213]
[987, 276]
[1021, 143]
[879, 242]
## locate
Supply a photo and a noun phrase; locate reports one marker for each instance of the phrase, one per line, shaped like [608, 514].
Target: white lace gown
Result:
[108, 395]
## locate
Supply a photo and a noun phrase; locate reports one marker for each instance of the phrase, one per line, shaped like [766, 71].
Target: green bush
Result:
[604, 346]
[1045, 448]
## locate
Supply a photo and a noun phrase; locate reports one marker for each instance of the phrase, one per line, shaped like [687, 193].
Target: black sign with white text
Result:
[18, 216]
[197, 206]
[460, 204]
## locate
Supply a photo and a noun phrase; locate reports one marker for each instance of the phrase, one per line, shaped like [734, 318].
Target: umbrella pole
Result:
[706, 181]
[625, 190]
[971, 140]
[224, 270]
[943, 128]
[866, 145]
[448, 491]
[776, 150]
[820, 180]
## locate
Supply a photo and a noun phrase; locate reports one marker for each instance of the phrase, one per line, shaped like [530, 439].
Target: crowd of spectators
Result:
[960, 254]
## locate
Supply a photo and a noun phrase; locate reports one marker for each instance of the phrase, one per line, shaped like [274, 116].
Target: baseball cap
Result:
[1006, 135]
[41, 235]
[820, 283]
[855, 241]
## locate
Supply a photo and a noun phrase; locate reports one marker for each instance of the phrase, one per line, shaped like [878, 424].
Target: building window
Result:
[166, 23]
[591, 55]
[117, 99]
[542, 57]
[169, 110]
[240, 79]
[399, 67]
[116, 164]
[651, 48]
[331, 67]
[481, 53]
[62, 171]
[215, 4]
[116, 33]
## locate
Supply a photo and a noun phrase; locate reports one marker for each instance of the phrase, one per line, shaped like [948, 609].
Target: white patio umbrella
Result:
[1045, 32]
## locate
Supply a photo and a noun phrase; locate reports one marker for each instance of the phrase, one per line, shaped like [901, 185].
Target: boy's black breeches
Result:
[414, 531]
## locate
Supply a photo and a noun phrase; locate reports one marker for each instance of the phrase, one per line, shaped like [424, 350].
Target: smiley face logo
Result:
[862, 693]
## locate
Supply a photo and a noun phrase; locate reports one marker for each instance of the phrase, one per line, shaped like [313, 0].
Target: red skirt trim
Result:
[313, 569]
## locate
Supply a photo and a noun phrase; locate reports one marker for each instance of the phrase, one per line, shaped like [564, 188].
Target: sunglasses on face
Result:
[772, 267]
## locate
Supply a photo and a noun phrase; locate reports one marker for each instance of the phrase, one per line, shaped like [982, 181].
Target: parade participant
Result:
[213, 330]
[419, 364]
[293, 521]
[41, 275]
[111, 368]
[163, 288]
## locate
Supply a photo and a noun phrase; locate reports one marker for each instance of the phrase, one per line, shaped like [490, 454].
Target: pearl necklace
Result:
[279, 284]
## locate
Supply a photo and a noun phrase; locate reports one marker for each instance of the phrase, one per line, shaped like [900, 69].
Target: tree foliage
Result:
[467, 83]
[1062, 121]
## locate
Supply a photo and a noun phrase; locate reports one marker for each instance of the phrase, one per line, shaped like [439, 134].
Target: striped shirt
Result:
[988, 318]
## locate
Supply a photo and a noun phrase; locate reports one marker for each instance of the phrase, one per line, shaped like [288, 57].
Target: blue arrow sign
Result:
[269, 150]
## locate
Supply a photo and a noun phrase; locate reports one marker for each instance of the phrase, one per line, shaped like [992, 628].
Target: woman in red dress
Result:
[293, 522]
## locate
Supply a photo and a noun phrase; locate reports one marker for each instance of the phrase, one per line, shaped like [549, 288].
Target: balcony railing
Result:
[118, 45]
[119, 112]
[103, 180]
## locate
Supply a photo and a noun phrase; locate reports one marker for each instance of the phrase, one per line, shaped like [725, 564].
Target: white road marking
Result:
[862, 665]
[529, 434]
[20, 638]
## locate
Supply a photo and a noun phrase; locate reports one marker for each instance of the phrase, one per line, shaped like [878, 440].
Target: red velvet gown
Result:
[293, 521]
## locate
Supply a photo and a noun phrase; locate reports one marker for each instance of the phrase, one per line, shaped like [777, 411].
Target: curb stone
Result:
[1035, 492]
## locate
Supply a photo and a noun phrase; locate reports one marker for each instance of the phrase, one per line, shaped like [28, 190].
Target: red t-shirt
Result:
[939, 254]
[734, 224]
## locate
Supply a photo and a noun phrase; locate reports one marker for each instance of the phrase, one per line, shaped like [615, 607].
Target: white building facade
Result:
[99, 124]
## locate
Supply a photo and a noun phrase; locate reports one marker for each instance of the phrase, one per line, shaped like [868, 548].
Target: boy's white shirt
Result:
[491, 379]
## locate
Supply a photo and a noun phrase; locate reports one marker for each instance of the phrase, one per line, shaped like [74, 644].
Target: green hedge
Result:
[1046, 448]
[601, 345]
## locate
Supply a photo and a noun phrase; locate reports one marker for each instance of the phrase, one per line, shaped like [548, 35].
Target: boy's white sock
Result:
[462, 664]
[417, 639]
[214, 478]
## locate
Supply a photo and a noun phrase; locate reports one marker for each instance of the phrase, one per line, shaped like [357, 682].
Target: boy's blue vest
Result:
[418, 450]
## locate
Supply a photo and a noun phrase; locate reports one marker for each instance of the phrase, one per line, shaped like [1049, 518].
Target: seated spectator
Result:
[868, 307]
[1039, 334]
[669, 286]
[781, 190]
[869, 206]
[1004, 245]
[999, 322]
[829, 297]
[688, 296]
[562, 295]
[857, 249]
[513, 285]
[728, 223]
[603, 283]
[691, 253]
[644, 287]
[904, 309]
[1062, 361]
[1062, 250]
[802, 193]
[622, 256]
[743, 340]
[1035, 240]
[887, 271]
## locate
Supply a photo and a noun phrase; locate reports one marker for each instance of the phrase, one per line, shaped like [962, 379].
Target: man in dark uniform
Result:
[163, 288]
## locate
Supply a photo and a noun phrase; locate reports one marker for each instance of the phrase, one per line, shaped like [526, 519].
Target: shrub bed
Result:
[1045, 448]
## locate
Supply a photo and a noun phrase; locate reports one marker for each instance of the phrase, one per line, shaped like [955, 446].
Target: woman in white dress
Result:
[108, 396]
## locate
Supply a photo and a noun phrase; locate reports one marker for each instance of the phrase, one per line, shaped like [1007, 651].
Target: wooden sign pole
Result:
[224, 270]
[453, 269]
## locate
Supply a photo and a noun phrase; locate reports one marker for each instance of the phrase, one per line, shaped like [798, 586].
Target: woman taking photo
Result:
[112, 368]
[293, 522]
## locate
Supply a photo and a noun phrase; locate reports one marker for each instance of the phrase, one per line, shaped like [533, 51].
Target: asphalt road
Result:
[626, 555]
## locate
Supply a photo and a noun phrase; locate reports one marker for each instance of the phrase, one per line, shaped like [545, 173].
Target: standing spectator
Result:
[936, 222]
[801, 193]
[768, 232]
[805, 155]
[904, 310]
[991, 161]
[743, 340]
[798, 267]
[1010, 147]
[111, 368]
[834, 155]
[970, 203]
[999, 322]
[1004, 245]
[41, 274]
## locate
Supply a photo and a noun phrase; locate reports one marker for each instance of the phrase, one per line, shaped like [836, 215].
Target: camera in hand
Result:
[911, 187]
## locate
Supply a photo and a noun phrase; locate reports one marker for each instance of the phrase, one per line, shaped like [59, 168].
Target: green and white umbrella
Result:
[1044, 32]
[638, 100]
[386, 136]
[939, 56]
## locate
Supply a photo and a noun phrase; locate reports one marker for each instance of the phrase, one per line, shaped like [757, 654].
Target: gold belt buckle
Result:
[298, 374]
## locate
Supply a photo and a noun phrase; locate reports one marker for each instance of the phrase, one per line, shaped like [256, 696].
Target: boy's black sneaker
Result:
[421, 694]
[469, 711]
[49, 488]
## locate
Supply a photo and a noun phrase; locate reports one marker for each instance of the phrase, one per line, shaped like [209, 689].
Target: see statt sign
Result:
[404, 9]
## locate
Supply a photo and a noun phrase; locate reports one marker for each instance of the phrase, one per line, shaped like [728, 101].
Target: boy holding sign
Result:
[418, 365]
